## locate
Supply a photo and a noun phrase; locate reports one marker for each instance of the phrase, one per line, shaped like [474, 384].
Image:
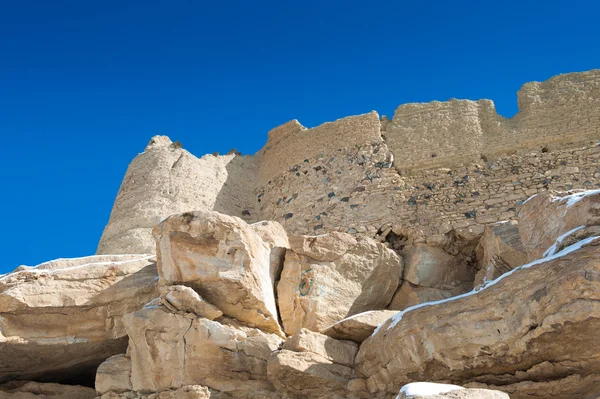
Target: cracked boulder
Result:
[431, 274]
[548, 215]
[328, 278]
[231, 264]
[541, 331]
[359, 327]
[171, 350]
[499, 251]
[61, 319]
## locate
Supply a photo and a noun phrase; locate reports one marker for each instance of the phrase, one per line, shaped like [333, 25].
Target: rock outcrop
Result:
[231, 264]
[39, 390]
[61, 319]
[359, 327]
[330, 277]
[170, 350]
[540, 329]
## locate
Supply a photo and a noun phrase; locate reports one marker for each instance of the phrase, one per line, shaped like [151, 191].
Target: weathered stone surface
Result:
[328, 278]
[172, 350]
[231, 264]
[166, 179]
[548, 215]
[40, 390]
[185, 392]
[499, 251]
[60, 320]
[307, 375]
[359, 327]
[114, 375]
[541, 328]
[185, 299]
[432, 267]
[342, 352]
[409, 294]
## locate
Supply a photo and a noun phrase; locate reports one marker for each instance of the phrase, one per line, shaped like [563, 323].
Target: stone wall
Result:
[433, 166]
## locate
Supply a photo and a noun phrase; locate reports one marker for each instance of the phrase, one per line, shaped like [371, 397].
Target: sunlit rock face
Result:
[61, 319]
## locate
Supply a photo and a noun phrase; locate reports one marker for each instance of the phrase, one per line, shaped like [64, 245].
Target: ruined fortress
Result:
[432, 168]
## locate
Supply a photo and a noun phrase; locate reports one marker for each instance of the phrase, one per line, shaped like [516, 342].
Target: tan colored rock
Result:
[185, 299]
[548, 215]
[428, 266]
[231, 264]
[342, 352]
[410, 295]
[61, 319]
[328, 278]
[166, 179]
[499, 251]
[546, 313]
[307, 375]
[359, 327]
[41, 390]
[114, 375]
[172, 350]
[185, 392]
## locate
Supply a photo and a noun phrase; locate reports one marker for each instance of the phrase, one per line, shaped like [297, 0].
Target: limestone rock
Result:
[114, 375]
[307, 375]
[185, 392]
[61, 319]
[499, 251]
[359, 327]
[328, 278]
[171, 350]
[428, 266]
[548, 215]
[342, 352]
[231, 264]
[542, 324]
[410, 295]
[40, 390]
[166, 179]
[187, 300]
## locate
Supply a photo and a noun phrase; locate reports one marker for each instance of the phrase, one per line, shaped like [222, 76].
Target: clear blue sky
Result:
[85, 84]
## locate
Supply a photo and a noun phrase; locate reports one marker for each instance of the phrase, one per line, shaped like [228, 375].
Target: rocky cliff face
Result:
[363, 281]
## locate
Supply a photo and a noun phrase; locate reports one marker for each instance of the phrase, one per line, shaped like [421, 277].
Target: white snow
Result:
[529, 198]
[425, 389]
[575, 198]
[550, 251]
[572, 248]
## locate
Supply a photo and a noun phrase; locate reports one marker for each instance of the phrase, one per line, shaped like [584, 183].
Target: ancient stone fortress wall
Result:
[433, 167]
[455, 164]
[565, 110]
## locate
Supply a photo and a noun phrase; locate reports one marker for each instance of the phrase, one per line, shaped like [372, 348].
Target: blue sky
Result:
[85, 84]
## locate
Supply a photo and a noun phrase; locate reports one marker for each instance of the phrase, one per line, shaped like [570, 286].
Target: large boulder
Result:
[342, 352]
[427, 390]
[114, 375]
[308, 375]
[171, 350]
[548, 215]
[40, 390]
[499, 251]
[542, 327]
[185, 392]
[63, 318]
[166, 179]
[409, 294]
[330, 277]
[231, 264]
[431, 274]
[359, 327]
